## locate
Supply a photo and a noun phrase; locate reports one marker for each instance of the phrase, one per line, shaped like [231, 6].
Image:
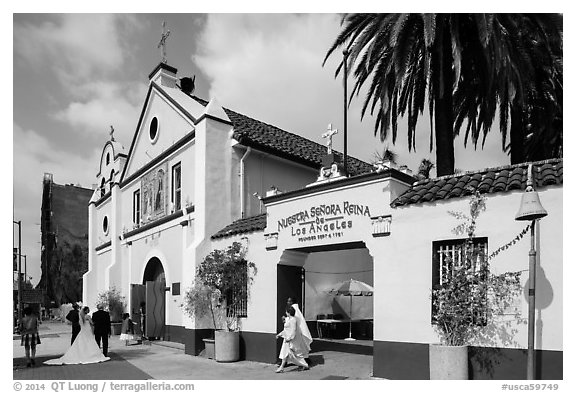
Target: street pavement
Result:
[167, 361]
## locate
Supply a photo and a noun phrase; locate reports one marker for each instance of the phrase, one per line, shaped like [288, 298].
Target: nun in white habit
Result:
[306, 336]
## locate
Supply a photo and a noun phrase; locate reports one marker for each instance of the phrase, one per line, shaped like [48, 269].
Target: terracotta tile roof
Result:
[269, 138]
[486, 181]
[243, 225]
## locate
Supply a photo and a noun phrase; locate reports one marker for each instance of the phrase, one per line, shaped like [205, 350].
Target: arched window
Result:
[107, 158]
[103, 187]
[111, 175]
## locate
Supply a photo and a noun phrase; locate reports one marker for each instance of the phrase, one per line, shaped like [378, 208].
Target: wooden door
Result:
[137, 297]
[155, 308]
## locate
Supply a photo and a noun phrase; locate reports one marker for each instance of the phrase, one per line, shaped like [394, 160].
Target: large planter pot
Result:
[448, 362]
[226, 346]
[116, 328]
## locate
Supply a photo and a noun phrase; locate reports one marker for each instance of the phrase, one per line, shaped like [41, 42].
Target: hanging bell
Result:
[530, 207]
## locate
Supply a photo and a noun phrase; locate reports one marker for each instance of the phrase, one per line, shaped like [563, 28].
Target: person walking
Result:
[102, 328]
[84, 349]
[74, 317]
[306, 335]
[30, 338]
[291, 350]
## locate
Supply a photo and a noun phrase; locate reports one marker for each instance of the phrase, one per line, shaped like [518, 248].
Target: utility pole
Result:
[19, 269]
[345, 53]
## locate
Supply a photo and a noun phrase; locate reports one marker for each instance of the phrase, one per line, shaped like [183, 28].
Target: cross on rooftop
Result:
[112, 133]
[329, 134]
[162, 43]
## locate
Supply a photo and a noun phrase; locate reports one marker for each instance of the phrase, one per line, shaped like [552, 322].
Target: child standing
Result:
[127, 333]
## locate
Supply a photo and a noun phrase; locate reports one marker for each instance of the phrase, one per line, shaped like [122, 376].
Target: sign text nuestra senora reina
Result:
[323, 220]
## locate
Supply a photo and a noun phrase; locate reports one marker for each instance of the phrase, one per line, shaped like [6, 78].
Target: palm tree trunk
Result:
[517, 136]
[443, 115]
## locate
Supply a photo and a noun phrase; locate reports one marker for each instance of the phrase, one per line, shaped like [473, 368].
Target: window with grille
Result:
[237, 298]
[177, 186]
[448, 254]
[136, 207]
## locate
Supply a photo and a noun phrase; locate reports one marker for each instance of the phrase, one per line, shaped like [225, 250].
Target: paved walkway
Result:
[169, 362]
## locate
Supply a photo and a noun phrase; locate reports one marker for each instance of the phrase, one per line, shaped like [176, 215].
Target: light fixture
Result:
[531, 210]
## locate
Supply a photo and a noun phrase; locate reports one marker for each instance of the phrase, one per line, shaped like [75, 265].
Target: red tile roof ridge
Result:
[488, 169]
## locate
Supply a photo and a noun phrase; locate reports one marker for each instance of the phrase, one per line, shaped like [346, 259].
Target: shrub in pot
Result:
[470, 296]
[114, 303]
[220, 293]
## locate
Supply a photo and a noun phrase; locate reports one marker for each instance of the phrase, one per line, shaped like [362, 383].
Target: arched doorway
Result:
[154, 271]
[148, 302]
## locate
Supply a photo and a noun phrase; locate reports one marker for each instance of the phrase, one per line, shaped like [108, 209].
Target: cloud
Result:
[270, 67]
[101, 104]
[75, 45]
[35, 155]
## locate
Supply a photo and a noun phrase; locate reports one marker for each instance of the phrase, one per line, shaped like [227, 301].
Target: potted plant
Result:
[220, 293]
[115, 303]
[470, 296]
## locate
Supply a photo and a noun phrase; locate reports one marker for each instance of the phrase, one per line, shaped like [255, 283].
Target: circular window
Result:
[154, 129]
[105, 225]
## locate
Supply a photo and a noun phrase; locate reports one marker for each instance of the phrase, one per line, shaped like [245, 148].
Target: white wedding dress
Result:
[84, 350]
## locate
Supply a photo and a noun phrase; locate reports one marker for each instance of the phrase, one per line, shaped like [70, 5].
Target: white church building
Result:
[198, 176]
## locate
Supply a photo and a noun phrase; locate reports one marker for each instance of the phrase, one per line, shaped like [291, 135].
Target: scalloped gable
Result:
[174, 122]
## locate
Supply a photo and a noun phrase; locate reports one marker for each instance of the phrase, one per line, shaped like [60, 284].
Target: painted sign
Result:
[325, 221]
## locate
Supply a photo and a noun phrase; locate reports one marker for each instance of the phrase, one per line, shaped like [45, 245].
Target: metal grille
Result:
[450, 255]
[238, 298]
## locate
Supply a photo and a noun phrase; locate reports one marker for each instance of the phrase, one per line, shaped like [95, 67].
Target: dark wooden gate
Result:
[137, 298]
[155, 308]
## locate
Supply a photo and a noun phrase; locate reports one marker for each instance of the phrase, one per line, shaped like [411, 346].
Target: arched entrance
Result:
[148, 302]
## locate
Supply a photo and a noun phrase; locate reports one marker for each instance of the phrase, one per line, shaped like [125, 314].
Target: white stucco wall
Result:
[172, 126]
[262, 296]
[405, 282]
[264, 171]
[103, 210]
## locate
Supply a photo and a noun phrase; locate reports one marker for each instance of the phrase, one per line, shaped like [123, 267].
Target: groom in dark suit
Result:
[102, 328]
[74, 317]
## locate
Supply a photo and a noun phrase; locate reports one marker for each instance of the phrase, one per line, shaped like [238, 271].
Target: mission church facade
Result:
[198, 176]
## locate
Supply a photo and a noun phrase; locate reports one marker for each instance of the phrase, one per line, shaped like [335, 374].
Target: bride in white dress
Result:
[84, 350]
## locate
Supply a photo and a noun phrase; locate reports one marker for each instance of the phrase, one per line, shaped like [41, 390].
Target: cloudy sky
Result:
[75, 75]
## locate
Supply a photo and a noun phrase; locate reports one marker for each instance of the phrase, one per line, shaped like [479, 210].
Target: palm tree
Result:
[442, 57]
[527, 64]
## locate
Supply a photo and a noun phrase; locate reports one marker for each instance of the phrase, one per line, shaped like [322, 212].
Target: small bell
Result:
[530, 206]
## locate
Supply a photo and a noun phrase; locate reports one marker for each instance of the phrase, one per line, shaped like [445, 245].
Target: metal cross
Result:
[329, 134]
[162, 43]
[111, 133]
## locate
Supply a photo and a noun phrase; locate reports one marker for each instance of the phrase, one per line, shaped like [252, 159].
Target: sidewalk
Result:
[167, 361]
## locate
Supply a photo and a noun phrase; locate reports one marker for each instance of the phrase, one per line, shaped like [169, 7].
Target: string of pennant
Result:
[510, 243]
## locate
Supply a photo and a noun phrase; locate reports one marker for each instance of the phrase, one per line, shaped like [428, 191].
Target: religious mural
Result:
[154, 189]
